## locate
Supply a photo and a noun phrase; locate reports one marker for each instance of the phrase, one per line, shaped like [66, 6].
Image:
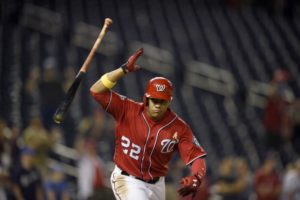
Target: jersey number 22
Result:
[134, 150]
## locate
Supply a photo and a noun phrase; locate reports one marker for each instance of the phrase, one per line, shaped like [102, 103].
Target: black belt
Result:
[153, 181]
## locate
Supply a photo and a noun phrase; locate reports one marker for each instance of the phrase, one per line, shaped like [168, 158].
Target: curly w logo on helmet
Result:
[160, 88]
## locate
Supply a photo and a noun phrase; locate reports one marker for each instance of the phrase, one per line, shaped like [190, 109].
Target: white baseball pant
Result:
[127, 187]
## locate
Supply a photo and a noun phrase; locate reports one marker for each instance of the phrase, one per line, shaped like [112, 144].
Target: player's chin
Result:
[156, 115]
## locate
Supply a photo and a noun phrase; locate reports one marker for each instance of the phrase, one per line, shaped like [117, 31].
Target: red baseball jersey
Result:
[143, 147]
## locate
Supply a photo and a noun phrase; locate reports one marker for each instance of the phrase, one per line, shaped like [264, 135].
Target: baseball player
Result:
[147, 134]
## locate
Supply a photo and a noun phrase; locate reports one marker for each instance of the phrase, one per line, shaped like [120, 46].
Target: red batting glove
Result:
[189, 185]
[130, 65]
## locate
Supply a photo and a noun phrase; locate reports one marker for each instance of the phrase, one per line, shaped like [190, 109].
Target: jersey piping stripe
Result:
[145, 144]
[110, 98]
[156, 142]
[196, 158]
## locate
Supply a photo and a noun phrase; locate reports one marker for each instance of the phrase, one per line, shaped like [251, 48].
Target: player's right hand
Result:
[130, 65]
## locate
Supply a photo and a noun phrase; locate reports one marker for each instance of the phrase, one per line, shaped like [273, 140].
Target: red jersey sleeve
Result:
[189, 148]
[112, 102]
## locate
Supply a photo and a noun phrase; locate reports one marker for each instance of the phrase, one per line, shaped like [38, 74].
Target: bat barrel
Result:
[61, 111]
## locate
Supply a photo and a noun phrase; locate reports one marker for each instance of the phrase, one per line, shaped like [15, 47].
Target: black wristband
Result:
[124, 68]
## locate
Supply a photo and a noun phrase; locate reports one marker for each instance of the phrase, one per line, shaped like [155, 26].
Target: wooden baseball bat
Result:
[62, 109]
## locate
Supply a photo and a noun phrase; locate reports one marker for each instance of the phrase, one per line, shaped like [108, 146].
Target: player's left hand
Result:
[130, 65]
[189, 185]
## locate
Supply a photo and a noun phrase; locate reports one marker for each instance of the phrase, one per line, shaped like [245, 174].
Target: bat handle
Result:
[107, 23]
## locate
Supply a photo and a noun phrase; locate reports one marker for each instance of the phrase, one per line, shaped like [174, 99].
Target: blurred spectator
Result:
[31, 96]
[4, 178]
[102, 130]
[92, 126]
[295, 114]
[225, 176]
[27, 181]
[56, 185]
[57, 135]
[267, 182]
[51, 91]
[245, 179]
[36, 137]
[235, 180]
[276, 119]
[91, 177]
[5, 146]
[291, 182]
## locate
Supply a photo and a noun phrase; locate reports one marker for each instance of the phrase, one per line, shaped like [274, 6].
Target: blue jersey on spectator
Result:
[57, 187]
